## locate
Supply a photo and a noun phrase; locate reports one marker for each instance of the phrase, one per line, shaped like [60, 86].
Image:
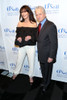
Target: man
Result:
[47, 45]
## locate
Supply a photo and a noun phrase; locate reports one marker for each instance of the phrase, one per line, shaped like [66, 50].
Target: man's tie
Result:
[39, 28]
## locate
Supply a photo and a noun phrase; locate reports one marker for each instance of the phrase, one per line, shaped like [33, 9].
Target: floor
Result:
[21, 89]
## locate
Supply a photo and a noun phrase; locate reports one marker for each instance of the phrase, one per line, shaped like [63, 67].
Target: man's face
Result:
[40, 15]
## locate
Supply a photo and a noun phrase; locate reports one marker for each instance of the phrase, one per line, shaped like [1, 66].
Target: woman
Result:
[26, 37]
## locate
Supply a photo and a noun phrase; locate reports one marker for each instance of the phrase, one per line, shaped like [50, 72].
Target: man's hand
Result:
[50, 60]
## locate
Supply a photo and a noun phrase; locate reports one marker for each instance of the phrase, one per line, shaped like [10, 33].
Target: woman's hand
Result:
[19, 39]
[27, 38]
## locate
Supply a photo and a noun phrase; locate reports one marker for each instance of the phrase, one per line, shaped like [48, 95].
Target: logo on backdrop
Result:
[62, 33]
[15, 50]
[65, 55]
[12, 11]
[26, 67]
[2, 63]
[51, 8]
[2, 48]
[9, 32]
[61, 73]
[12, 65]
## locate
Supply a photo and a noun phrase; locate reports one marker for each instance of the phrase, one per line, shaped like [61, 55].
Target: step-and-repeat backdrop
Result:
[9, 17]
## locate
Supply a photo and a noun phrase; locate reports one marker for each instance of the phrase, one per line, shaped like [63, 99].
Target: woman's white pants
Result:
[23, 51]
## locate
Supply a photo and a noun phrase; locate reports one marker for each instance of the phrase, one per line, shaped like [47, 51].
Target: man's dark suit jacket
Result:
[47, 42]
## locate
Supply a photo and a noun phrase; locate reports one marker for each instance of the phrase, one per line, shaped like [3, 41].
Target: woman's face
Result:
[24, 14]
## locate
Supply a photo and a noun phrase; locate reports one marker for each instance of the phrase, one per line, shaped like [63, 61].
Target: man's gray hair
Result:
[40, 7]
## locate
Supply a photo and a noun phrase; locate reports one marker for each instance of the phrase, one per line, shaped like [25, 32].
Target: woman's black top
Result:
[23, 32]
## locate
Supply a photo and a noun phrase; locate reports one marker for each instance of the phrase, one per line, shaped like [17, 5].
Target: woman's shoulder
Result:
[19, 24]
[24, 25]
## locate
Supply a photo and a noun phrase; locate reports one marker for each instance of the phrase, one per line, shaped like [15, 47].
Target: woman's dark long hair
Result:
[28, 9]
